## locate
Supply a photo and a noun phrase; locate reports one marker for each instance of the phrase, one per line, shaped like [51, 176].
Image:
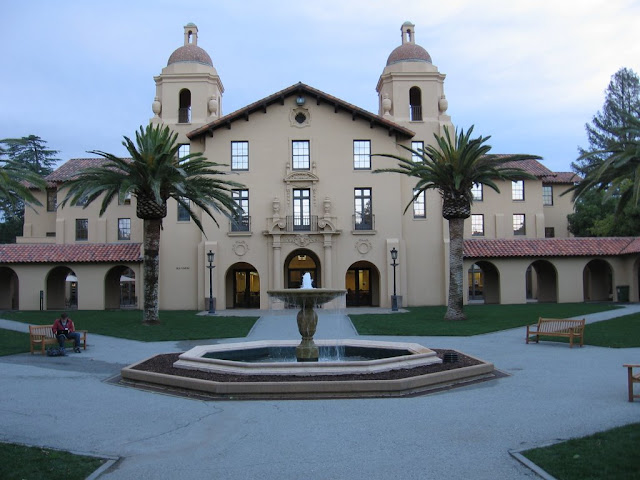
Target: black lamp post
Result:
[210, 256]
[394, 298]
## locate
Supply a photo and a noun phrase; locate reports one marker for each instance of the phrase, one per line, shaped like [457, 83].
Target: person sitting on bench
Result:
[64, 329]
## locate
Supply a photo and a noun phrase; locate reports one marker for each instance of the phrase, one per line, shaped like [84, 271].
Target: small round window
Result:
[301, 118]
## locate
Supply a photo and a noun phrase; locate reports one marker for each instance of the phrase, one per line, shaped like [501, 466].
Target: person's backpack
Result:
[55, 352]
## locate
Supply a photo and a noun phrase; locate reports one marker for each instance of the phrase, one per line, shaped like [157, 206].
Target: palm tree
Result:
[452, 166]
[153, 174]
[615, 170]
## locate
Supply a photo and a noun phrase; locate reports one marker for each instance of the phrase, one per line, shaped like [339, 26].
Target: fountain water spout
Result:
[306, 281]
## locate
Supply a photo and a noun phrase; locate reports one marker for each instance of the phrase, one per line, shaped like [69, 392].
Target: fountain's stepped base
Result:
[391, 356]
[309, 389]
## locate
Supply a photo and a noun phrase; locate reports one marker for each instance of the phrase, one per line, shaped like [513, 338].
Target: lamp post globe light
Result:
[394, 298]
[210, 256]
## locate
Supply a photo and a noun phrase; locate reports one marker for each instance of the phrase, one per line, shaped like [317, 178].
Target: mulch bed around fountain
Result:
[164, 364]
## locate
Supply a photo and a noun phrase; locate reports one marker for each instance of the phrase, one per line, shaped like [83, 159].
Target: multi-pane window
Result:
[82, 229]
[241, 222]
[416, 147]
[517, 190]
[476, 192]
[363, 212]
[477, 225]
[419, 204]
[519, 224]
[52, 200]
[362, 154]
[183, 212]
[301, 209]
[301, 159]
[240, 155]
[124, 229]
[184, 150]
[547, 195]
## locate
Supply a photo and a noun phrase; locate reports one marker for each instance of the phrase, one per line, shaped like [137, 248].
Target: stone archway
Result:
[362, 282]
[242, 286]
[597, 281]
[120, 288]
[297, 263]
[62, 289]
[484, 282]
[9, 289]
[542, 282]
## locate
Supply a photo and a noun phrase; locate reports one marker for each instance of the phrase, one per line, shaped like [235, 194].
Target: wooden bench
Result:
[632, 378]
[557, 327]
[41, 335]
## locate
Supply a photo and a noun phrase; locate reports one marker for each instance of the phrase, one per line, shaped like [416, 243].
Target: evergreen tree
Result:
[622, 98]
[22, 159]
[608, 166]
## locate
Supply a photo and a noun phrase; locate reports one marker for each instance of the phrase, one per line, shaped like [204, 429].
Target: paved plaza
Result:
[551, 393]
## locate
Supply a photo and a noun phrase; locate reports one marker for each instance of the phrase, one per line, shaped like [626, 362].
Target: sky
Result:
[529, 73]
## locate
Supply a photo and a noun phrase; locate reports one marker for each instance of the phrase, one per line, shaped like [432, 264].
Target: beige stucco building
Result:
[313, 204]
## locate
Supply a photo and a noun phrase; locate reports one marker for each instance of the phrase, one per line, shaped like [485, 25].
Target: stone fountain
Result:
[306, 298]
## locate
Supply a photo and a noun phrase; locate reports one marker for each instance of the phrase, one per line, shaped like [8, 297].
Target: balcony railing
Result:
[184, 115]
[297, 223]
[363, 222]
[242, 224]
[416, 113]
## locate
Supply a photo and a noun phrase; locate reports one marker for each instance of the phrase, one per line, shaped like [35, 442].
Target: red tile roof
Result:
[551, 247]
[561, 177]
[73, 166]
[78, 253]
[534, 167]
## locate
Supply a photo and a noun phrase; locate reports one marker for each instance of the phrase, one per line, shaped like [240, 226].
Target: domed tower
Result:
[189, 90]
[411, 90]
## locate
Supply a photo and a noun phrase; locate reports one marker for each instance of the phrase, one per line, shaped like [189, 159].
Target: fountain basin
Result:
[373, 357]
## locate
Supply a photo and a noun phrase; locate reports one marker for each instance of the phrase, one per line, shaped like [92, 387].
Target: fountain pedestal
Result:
[307, 319]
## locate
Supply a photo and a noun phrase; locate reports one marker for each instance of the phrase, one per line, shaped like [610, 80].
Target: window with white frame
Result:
[301, 157]
[477, 225]
[184, 150]
[547, 195]
[362, 154]
[517, 190]
[124, 229]
[519, 227]
[417, 147]
[477, 192]
[240, 155]
[419, 204]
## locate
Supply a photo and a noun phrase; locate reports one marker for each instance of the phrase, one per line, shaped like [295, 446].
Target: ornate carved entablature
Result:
[301, 179]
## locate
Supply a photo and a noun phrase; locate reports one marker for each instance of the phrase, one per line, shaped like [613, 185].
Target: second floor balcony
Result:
[301, 223]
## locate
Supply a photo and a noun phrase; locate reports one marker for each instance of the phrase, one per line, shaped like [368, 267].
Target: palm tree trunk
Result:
[456, 243]
[151, 270]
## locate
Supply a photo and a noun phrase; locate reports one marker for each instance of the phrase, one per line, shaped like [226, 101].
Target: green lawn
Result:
[19, 462]
[612, 455]
[175, 325]
[12, 342]
[429, 321]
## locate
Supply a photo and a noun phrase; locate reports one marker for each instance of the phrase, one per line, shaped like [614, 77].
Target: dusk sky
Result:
[528, 73]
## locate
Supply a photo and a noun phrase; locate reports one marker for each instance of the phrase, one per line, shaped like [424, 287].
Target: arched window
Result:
[415, 104]
[184, 112]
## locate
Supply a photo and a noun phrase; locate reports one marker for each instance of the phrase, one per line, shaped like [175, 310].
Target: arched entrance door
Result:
[597, 278]
[362, 283]
[297, 264]
[8, 289]
[484, 283]
[243, 281]
[542, 282]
